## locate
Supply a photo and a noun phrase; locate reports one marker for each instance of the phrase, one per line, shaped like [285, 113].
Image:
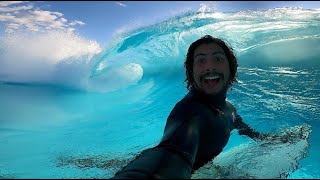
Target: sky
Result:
[102, 20]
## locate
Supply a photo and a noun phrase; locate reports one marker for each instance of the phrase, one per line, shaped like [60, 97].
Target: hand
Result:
[289, 135]
[275, 138]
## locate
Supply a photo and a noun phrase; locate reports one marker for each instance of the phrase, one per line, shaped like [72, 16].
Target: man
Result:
[199, 126]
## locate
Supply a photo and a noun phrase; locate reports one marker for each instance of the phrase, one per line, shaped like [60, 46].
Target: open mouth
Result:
[211, 80]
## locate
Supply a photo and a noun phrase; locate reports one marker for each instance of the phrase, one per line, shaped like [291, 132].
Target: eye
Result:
[220, 58]
[201, 60]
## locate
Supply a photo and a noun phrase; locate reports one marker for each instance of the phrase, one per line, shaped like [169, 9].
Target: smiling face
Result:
[211, 71]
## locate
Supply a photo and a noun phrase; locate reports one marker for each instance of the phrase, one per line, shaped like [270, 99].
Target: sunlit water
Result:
[70, 116]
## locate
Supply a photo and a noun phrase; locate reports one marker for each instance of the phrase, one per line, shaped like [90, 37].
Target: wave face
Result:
[64, 58]
[92, 102]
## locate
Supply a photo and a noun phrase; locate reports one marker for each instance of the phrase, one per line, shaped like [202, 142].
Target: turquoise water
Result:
[72, 122]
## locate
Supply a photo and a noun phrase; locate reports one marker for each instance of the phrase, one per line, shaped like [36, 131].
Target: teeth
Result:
[211, 77]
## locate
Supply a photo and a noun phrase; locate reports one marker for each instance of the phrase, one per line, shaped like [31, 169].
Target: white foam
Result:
[116, 78]
[266, 159]
[60, 58]
[34, 57]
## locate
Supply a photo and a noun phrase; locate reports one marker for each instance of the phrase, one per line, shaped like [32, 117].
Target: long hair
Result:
[188, 64]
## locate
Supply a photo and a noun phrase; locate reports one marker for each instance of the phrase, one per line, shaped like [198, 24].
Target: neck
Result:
[218, 99]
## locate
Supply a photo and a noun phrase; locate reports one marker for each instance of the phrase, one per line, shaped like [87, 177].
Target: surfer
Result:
[199, 125]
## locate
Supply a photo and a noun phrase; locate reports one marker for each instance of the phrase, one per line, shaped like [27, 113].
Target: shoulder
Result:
[232, 110]
[186, 106]
[180, 116]
[180, 108]
[231, 107]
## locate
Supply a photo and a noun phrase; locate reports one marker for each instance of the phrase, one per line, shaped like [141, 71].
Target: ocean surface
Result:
[81, 113]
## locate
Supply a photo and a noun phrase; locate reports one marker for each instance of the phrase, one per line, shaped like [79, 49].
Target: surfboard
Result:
[266, 159]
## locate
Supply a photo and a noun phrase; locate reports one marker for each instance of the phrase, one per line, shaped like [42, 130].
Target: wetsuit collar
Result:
[218, 100]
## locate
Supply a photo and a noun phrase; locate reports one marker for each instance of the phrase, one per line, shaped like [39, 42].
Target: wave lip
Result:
[116, 78]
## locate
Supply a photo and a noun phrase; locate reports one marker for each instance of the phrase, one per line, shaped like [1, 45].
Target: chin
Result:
[210, 92]
[216, 91]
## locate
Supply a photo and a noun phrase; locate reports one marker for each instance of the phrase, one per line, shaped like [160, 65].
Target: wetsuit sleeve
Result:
[174, 156]
[245, 129]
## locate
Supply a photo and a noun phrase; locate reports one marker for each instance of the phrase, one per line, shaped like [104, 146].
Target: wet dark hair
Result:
[207, 39]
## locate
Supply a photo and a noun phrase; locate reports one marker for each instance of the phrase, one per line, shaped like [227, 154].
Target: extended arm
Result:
[173, 157]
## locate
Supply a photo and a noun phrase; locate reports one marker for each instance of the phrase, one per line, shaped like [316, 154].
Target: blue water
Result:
[71, 124]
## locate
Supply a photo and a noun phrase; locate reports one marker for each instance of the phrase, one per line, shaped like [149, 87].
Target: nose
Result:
[211, 65]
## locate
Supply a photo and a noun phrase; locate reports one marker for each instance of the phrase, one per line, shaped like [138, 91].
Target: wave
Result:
[37, 57]
[66, 59]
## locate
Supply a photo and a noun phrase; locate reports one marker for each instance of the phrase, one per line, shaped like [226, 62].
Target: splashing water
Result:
[72, 100]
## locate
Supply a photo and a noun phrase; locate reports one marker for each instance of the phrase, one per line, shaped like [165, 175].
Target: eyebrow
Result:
[201, 54]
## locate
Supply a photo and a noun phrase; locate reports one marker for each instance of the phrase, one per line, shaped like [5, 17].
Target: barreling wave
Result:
[64, 59]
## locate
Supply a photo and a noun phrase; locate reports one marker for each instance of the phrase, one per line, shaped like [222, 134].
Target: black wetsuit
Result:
[197, 130]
